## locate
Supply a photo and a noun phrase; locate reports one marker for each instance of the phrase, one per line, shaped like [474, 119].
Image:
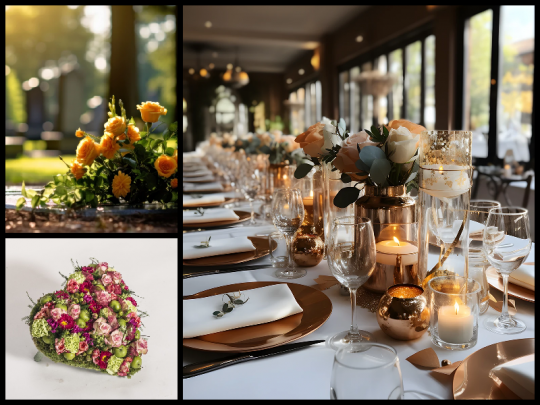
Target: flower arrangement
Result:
[384, 156]
[92, 322]
[279, 147]
[123, 163]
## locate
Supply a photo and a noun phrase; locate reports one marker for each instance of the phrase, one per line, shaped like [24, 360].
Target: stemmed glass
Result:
[251, 184]
[288, 215]
[507, 243]
[351, 257]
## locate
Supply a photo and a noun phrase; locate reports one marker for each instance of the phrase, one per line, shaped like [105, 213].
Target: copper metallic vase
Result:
[403, 316]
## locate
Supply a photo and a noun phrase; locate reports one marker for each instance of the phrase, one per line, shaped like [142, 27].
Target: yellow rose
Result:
[165, 165]
[77, 170]
[133, 134]
[312, 140]
[116, 125]
[121, 185]
[87, 151]
[79, 133]
[151, 111]
[174, 183]
[411, 126]
[108, 146]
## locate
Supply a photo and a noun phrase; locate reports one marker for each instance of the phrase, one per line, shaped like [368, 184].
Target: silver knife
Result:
[192, 370]
[244, 268]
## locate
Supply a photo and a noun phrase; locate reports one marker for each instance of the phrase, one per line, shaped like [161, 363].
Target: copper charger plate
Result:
[471, 378]
[261, 249]
[215, 204]
[495, 280]
[316, 306]
[244, 216]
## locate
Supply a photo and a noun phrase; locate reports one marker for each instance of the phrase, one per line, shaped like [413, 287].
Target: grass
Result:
[35, 170]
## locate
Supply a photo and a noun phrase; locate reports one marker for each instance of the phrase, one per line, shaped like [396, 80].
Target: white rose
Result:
[403, 143]
[331, 138]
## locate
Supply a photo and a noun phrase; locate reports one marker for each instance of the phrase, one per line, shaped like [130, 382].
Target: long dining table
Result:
[306, 373]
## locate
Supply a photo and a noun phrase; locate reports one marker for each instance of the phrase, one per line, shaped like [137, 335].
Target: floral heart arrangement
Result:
[123, 165]
[384, 156]
[92, 322]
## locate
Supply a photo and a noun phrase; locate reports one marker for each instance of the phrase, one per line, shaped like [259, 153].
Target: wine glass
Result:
[288, 215]
[507, 243]
[251, 184]
[366, 370]
[478, 264]
[351, 257]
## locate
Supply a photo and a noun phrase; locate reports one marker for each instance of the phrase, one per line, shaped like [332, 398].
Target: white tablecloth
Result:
[305, 374]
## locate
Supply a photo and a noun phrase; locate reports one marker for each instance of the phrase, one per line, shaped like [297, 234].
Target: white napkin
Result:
[523, 276]
[198, 173]
[193, 187]
[265, 304]
[189, 201]
[210, 215]
[206, 178]
[217, 247]
[518, 375]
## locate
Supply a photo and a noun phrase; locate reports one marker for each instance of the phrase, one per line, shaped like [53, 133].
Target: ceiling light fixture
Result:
[191, 71]
[301, 72]
[359, 38]
[315, 59]
[289, 81]
[236, 78]
[211, 65]
[208, 24]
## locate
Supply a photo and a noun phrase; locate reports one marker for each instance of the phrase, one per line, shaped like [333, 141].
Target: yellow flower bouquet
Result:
[124, 163]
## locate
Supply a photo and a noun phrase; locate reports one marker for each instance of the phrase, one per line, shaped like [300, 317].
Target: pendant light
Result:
[235, 76]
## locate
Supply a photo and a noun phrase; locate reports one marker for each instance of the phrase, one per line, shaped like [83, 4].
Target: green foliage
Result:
[15, 100]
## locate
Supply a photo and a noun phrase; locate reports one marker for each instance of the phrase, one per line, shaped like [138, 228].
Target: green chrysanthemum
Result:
[40, 328]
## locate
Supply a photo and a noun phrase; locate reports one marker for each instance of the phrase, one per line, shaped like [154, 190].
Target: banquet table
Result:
[305, 373]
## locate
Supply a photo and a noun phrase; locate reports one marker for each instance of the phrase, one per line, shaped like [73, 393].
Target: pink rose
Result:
[348, 154]
[104, 328]
[112, 321]
[95, 356]
[103, 298]
[113, 296]
[117, 289]
[124, 368]
[59, 345]
[103, 266]
[116, 338]
[117, 277]
[56, 313]
[74, 310]
[110, 288]
[72, 286]
[140, 346]
[83, 346]
[106, 279]
[43, 313]
[89, 277]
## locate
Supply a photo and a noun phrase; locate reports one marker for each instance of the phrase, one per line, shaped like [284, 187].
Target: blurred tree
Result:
[123, 77]
[15, 110]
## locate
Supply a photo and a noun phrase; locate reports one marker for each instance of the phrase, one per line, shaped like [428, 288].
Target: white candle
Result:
[445, 180]
[387, 251]
[455, 323]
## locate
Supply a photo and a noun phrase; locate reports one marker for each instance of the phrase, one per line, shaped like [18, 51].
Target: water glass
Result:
[279, 256]
[366, 371]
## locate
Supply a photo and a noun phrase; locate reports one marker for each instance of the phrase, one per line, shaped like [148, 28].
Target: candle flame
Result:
[441, 168]
[284, 177]
[397, 241]
[311, 193]
[456, 306]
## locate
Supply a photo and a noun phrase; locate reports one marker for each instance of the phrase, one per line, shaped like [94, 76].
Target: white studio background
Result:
[148, 266]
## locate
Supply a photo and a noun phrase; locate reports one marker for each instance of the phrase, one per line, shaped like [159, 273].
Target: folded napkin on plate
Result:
[189, 201]
[197, 173]
[217, 247]
[210, 215]
[518, 375]
[193, 187]
[206, 178]
[265, 304]
[523, 276]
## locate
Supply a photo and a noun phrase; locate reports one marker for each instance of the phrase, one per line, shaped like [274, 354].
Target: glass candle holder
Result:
[282, 175]
[445, 181]
[454, 307]
[311, 188]
[278, 257]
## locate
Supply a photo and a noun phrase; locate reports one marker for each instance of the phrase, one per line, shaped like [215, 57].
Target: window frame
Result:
[306, 85]
[465, 13]
[419, 34]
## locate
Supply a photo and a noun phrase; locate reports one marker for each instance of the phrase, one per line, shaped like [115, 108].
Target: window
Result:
[498, 56]
[305, 107]
[411, 94]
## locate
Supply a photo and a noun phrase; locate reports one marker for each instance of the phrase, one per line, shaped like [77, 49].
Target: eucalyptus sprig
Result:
[204, 243]
[234, 300]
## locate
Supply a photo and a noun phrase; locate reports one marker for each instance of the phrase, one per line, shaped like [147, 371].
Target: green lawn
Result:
[35, 170]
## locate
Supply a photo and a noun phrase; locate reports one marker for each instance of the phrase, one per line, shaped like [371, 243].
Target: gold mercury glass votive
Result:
[403, 312]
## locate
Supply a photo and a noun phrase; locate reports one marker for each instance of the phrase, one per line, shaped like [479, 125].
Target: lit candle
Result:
[455, 323]
[507, 170]
[445, 180]
[387, 251]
